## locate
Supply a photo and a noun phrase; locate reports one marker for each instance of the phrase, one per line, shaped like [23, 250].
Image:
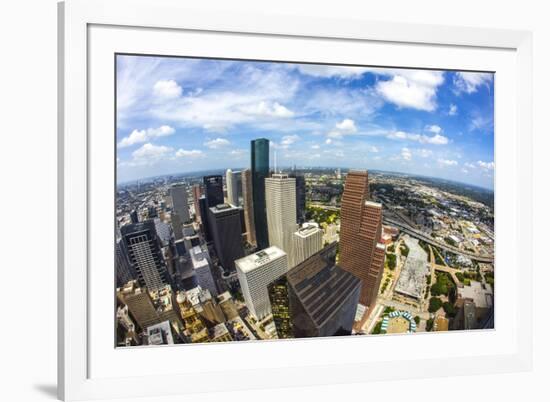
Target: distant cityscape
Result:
[264, 249]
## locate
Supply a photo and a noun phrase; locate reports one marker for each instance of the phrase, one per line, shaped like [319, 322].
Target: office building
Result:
[203, 206]
[203, 302]
[248, 206]
[160, 334]
[197, 193]
[123, 270]
[315, 298]
[176, 223]
[144, 254]
[180, 205]
[255, 272]
[203, 270]
[362, 254]
[300, 197]
[306, 241]
[280, 201]
[213, 190]
[139, 303]
[163, 230]
[134, 218]
[228, 306]
[225, 229]
[220, 333]
[195, 327]
[234, 187]
[259, 159]
[126, 329]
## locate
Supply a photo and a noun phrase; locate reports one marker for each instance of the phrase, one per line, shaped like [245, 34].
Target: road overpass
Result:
[430, 240]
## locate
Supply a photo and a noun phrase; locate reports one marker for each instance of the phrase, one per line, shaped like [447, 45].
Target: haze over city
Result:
[177, 115]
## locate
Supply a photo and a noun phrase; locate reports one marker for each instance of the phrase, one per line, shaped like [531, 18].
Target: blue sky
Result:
[178, 115]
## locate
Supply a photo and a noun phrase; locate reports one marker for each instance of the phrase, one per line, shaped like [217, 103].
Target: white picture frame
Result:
[84, 26]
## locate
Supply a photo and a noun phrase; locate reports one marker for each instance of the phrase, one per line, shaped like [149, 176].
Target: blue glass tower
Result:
[259, 166]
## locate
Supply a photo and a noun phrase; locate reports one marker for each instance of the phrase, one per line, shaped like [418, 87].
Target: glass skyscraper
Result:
[259, 161]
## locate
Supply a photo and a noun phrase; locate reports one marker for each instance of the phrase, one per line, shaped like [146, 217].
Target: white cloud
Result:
[447, 162]
[325, 71]
[167, 89]
[486, 165]
[149, 154]
[194, 153]
[328, 141]
[453, 109]
[434, 129]
[373, 149]
[140, 136]
[406, 154]
[470, 82]
[315, 146]
[480, 123]
[415, 89]
[217, 143]
[424, 153]
[436, 139]
[347, 126]
[289, 140]
[263, 108]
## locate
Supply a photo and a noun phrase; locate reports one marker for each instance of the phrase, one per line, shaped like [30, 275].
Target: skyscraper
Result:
[280, 199]
[306, 241]
[362, 254]
[255, 272]
[213, 190]
[234, 187]
[225, 229]
[178, 193]
[259, 159]
[248, 206]
[300, 197]
[139, 303]
[203, 206]
[144, 253]
[123, 270]
[315, 298]
[202, 269]
[197, 192]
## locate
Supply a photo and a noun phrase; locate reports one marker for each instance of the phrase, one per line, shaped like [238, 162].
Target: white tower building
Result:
[280, 201]
[203, 272]
[307, 241]
[255, 272]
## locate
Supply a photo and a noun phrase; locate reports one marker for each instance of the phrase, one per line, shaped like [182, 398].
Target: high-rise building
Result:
[280, 200]
[228, 306]
[225, 229]
[202, 269]
[134, 217]
[234, 187]
[300, 197]
[197, 193]
[180, 205]
[203, 206]
[255, 272]
[123, 270]
[362, 254]
[163, 231]
[144, 254]
[248, 206]
[259, 159]
[213, 189]
[139, 303]
[315, 298]
[306, 241]
[177, 225]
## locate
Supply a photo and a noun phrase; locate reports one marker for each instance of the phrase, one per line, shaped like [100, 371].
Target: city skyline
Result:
[178, 115]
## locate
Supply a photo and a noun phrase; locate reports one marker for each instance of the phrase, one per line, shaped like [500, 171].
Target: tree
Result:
[392, 261]
[450, 309]
[429, 324]
[435, 304]
[417, 320]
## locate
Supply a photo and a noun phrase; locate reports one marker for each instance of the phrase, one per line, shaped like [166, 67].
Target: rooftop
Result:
[198, 257]
[307, 229]
[483, 298]
[252, 261]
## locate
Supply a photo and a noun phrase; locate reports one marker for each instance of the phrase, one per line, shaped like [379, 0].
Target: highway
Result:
[430, 240]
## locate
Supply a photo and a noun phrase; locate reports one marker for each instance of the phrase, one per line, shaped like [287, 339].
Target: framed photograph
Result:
[291, 200]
